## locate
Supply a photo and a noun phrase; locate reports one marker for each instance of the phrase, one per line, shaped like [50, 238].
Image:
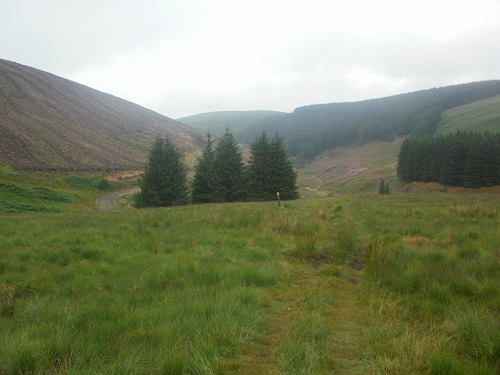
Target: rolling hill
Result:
[311, 130]
[358, 168]
[48, 123]
[217, 122]
[480, 116]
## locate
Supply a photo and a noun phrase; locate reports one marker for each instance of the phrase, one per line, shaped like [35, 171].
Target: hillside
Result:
[311, 130]
[359, 168]
[217, 122]
[51, 123]
[483, 115]
[350, 169]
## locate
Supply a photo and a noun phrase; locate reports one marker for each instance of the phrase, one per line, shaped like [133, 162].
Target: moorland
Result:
[343, 280]
[352, 284]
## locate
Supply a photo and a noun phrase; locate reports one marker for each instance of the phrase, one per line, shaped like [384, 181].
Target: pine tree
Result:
[381, 187]
[205, 182]
[259, 170]
[384, 188]
[387, 188]
[270, 170]
[229, 169]
[283, 178]
[164, 180]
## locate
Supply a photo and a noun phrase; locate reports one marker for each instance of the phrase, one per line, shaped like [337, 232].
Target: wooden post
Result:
[279, 201]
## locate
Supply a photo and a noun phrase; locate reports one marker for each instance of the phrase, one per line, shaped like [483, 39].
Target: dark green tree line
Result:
[220, 175]
[460, 159]
[270, 170]
[308, 131]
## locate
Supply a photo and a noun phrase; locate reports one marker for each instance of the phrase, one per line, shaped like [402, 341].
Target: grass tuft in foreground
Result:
[346, 285]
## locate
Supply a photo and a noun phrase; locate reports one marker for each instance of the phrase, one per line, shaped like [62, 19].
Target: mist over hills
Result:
[217, 122]
[48, 123]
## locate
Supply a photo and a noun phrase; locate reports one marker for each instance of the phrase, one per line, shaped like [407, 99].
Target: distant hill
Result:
[309, 131]
[217, 122]
[358, 168]
[480, 116]
[50, 123]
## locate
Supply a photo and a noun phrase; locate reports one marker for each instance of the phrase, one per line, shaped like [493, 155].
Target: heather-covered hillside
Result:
[50, 123]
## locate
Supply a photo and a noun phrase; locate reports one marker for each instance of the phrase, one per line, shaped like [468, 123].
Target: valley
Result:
[343, 280]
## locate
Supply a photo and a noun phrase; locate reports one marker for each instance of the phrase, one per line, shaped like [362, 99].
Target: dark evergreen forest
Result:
[311, 130]
[460, 159]
[220, 174]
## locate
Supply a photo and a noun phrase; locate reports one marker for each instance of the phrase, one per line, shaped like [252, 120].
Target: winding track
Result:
[107, 202]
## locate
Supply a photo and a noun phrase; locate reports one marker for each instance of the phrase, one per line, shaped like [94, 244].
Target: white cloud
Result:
[180, 58]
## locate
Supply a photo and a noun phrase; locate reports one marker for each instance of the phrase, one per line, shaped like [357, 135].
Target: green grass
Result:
[21, 198]
[480, 116]
[87, 183]
[42, 192]
[365, 284]
[217, 122]
[432, 262]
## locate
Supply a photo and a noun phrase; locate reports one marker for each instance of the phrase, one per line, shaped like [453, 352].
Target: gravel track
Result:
[107, 202]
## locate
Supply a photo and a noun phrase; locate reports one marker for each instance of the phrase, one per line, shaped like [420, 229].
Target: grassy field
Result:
[365, 284]
[480, 116]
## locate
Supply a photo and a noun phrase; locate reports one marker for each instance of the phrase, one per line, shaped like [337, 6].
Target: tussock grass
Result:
[475, 209]
[366, 284]
[157, 291]
[434, 275]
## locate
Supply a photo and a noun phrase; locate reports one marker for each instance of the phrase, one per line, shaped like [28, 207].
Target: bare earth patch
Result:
[123, 175]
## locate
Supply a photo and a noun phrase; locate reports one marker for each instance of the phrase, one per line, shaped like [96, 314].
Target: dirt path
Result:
[107, 202]
[333, 341]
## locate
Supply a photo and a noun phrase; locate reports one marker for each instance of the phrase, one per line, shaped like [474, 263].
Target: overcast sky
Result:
[191, 56]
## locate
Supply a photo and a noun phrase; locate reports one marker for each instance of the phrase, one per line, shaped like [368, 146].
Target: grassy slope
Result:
[340, 285]
[480, 116]
[24, 192]
[217, 122]
[349, 170]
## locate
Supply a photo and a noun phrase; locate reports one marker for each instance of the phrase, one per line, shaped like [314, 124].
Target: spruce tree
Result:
[164, 180]
[270, 170]
[381, 187]
[387, 188]
[229, 169]
[384, 188]
[205, 183]
[259, 170]
[283, 178]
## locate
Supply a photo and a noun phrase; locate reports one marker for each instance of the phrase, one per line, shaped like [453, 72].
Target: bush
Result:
[87, 183]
